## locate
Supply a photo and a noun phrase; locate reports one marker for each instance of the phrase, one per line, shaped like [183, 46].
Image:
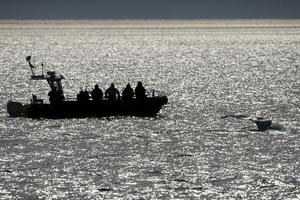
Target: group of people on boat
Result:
[113, 94]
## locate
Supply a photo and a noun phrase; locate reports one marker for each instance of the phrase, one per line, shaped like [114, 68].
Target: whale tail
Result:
[262, 124]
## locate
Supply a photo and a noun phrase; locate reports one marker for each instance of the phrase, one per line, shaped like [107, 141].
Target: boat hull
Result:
[74, 109]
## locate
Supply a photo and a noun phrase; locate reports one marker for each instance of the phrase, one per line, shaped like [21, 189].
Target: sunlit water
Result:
[206, 68]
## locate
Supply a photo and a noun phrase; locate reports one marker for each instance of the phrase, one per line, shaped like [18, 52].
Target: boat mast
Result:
[32, 50]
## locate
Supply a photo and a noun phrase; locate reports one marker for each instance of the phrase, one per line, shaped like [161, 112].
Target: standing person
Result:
[55, 97]
[111, 93]
[127, 93]
[140, 91]
[97, 93]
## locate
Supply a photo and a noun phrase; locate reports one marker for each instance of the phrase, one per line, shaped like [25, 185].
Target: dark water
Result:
[206, 68]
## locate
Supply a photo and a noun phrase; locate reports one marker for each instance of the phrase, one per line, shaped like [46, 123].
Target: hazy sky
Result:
[148, 9]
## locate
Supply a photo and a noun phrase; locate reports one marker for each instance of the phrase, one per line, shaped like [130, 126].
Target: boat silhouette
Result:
[37, 108]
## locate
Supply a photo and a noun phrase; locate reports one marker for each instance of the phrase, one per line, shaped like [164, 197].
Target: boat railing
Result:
[153, 93]
[70, 99]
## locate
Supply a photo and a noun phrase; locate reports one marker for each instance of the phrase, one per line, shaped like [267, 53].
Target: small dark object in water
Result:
[181, 180]
[104, 189]
[155, 172]
[197, 188]
[188, 188]
[182, 188]
[8, 171]
[183, 155]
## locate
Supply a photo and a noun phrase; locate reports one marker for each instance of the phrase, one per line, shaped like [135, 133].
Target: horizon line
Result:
[139, 19]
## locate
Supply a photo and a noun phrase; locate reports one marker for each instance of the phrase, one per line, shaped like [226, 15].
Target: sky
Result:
[149, 9]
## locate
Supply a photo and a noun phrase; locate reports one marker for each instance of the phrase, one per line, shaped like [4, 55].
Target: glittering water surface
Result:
[206, 68]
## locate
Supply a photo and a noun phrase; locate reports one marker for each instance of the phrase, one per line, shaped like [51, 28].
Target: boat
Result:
[37, 108]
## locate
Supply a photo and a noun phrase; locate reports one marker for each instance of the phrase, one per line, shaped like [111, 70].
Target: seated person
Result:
[80, 96]
[140, 91]
[127, 93]
[83, 96]
[86, 95]
[97, 93]
[111, 93]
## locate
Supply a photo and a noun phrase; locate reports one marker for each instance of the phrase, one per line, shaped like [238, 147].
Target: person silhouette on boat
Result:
[80, 96]
[83, 96]
[86, 95]
[127, 93]
[55, 97]
[97, 93]
[140, 91]
[112, 94]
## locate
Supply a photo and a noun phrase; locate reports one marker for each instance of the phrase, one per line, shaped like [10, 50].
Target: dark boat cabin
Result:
[54, 81]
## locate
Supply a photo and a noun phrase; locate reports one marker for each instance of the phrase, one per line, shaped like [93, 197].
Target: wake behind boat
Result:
[140, 105]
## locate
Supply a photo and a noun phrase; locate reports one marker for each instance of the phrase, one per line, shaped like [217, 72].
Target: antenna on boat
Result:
[28, 59]
[32, 50]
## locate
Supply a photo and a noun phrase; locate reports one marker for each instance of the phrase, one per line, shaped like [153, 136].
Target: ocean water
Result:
[207, 69]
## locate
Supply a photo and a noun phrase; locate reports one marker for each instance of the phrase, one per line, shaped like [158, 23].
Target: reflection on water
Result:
[187, 151]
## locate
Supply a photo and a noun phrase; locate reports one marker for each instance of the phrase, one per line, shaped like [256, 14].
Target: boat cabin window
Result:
[55, 85]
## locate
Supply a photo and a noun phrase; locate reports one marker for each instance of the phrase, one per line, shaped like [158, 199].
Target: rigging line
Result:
[32, 50]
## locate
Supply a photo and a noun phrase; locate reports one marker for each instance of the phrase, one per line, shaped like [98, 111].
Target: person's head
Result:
[128, 85]
[96, 86]
[140, 83]
[112, 85]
